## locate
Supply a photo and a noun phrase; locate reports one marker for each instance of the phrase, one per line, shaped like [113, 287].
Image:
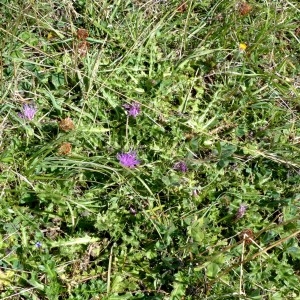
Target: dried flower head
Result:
[241, 211]
[65, 149]
[28, 112]
[244, 8]
[133, 109]
[247, 235]
[180, 166]
[66, 124]
[83, 48]
[82, 34]
[128, 159]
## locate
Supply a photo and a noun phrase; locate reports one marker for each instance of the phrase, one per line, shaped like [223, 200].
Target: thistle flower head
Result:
[244, 8]
[180, 166]
[128, 159]
[66, 124]
[241, 211]
[133, 109]
[65, 149]
[28, 112]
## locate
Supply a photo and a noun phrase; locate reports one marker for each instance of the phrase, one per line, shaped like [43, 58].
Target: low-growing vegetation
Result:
[149, 149]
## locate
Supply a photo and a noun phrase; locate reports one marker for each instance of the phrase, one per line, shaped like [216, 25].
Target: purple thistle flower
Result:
[180, 166]
[28, 112]
[133, 109]
[128, 159]
[241, 211]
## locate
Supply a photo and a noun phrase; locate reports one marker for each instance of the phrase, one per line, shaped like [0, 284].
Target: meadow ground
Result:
[149, 149]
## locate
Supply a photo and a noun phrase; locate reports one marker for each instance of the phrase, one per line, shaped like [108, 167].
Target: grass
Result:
[218, 87]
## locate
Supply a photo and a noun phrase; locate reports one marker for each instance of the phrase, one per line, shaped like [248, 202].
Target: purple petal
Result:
[133, 109]
[128, 159]
[180, 166]
[28, 112]
[241, 211]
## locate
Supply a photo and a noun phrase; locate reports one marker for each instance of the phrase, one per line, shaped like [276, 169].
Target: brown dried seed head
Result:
[66, 124]
[244, 8]
[247, 235]
[65, 149]
[83, 48]
[82, 34]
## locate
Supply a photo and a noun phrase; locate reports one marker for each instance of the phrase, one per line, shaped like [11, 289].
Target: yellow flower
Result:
[242, 47]
[49, 36]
